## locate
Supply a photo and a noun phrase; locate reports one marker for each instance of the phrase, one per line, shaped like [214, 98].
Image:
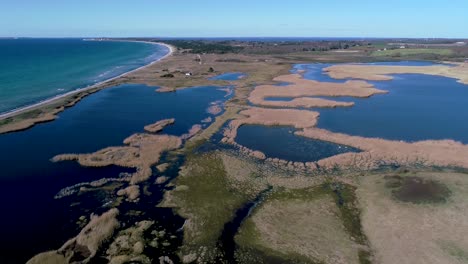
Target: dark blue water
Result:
[32, 70]
[417, 107]
[230, 76]
[280, 142]
[32, 221]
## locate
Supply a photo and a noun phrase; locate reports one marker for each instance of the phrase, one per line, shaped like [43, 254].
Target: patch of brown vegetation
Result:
[214, 109]
[271, 117]
[143, 151]
[192, 131]
[83, 247]
[417, 190]
[401, 232]
[129, 244]
[246, 171]
[376, 151]
[310, 229]
[132, 192]
[381, 73]
[160, 125]
[300, 88]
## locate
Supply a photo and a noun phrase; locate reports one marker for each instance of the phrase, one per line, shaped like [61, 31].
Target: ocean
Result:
[32, 70]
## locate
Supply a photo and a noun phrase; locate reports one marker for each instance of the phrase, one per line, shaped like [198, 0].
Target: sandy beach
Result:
[87, 88]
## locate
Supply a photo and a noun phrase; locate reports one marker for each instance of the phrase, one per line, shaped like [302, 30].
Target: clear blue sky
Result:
[235, 18]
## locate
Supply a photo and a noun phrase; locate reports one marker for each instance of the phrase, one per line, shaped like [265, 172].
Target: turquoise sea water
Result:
[33, 70]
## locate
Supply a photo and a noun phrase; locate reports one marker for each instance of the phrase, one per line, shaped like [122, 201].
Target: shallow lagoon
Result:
[230, 76]
[280, 142]
[417, 107]
[34, 221]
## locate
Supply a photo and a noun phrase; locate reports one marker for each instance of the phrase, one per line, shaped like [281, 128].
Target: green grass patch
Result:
[249, 238]
[206, 197]
[409, 52]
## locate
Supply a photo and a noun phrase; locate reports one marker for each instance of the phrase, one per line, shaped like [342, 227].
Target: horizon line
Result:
[224, 37]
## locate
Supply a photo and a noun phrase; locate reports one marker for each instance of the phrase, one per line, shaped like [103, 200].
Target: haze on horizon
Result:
[241, 18]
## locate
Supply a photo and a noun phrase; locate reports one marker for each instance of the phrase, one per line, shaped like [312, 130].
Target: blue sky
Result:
[237, 18]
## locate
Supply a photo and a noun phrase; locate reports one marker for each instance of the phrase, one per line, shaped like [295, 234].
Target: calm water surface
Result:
[280, 142]
[32, 221]
[417, 107]
[230, 76]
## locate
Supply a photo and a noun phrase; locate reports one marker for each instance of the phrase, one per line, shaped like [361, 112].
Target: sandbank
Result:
[160, 125]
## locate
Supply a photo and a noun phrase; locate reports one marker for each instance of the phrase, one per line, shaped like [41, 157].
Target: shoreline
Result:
[51, 100]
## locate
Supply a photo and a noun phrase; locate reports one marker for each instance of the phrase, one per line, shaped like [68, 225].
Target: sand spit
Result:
[377, 152]
[83, 247]
[143, 151]
[27, 123]
[381, 73]
[271, 117]
[301, 89]
[160, 125]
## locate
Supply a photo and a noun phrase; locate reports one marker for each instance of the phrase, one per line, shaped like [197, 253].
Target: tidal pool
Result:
[230, 76]
[33, 221]
[280, 142]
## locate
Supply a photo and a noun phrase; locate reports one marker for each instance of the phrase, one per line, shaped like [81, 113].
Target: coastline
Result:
[98, 86]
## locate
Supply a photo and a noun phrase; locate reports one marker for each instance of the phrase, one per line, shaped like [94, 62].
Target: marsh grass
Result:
[344, 204]
[409, 52]
[206, 198]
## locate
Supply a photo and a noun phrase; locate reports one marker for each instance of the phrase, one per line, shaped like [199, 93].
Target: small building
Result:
[402, 47]
[188, 74]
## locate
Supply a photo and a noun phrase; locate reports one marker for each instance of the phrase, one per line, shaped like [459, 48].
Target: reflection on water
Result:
[280, 142]
[230, 76]
[34, 221]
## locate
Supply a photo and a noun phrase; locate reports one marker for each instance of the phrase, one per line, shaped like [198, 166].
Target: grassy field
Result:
[313, 225]
[410, 52]
[406, 221]
[206, 198]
